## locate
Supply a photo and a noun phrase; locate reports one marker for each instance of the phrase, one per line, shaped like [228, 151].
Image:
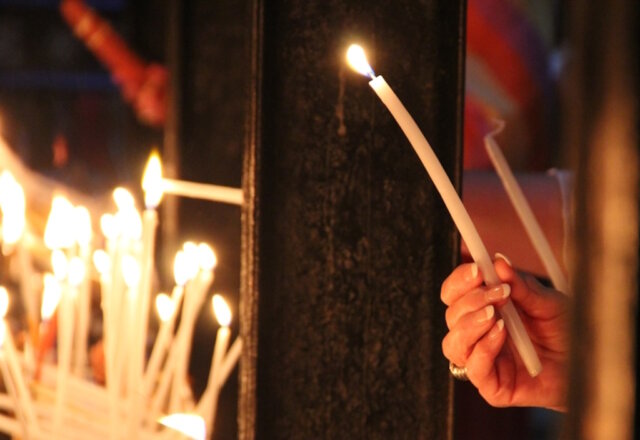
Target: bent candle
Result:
[461, 218]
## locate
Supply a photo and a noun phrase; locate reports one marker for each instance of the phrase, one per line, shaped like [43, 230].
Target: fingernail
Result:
[489, 311]
[474, 271]
[497, 329]
[503, 257]
[500, 292]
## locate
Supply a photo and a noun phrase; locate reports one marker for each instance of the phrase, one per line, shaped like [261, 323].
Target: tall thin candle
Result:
[358, 61]
[522, 207]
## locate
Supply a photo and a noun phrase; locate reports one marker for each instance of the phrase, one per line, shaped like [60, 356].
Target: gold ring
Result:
[457, 372]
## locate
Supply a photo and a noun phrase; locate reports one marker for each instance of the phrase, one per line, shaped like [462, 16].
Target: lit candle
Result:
[209, 402]
[66, 321]
[185, 269]
[131, 274]
[522, 207]
[196, 292]
[215, 193]
[14, 234]
[83, 234]
[166, 307]
[478, 251]
[152, 186]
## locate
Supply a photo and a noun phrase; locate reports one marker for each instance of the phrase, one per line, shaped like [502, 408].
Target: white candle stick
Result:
[207, 407]
[522, 207]
[83, 234]
[203, 191]
[229, 362]
[452, 200]
[14, 370]
[152, 186]
[163, 339]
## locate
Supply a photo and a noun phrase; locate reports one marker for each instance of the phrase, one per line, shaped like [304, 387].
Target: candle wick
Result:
[370, 73]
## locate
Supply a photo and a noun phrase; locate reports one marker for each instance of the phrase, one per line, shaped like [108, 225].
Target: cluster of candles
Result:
[57, 399]
[141, 396]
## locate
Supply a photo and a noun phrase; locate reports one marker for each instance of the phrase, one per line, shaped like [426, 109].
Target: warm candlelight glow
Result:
[4, 301]
[190, 265]
[130, 271]
[358, 61]
[129, 222]
[221, 310]
[123, 199]
[82, 225]
[207, 257]
[109, 226]
[59, 264]
[12, 205]
[50, 296]
[152, 181]
[59, 231]
[191, 425]
[101, 261]
[164, 306]
[180, 268]
[77, 271]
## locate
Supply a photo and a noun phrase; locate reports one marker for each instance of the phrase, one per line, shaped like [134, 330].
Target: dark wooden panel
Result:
[346, 241]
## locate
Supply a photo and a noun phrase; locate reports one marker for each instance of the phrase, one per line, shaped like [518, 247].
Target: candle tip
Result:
[357, 59]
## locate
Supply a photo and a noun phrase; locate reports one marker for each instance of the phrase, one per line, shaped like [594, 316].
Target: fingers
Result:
[463, 278]
[475, 300]
[481, 363]
[459, 343]
[528, 294]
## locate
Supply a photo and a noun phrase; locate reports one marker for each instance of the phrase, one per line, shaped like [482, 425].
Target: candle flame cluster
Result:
[57, 396]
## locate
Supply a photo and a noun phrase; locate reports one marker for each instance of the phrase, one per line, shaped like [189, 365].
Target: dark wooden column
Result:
[602, 132]
[346, 241]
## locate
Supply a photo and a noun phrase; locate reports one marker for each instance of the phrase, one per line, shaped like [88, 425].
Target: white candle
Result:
[83, 234]
[216, 193]
[65, 344]
[14, 371]
[522, 207]
[230, 360]
[209, 402]
[152, 186]
[167, 307]
[451, 199]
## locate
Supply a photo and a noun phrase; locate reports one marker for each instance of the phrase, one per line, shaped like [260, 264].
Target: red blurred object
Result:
[143, 85]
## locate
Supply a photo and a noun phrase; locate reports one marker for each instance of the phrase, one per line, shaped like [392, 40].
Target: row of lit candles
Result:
[124, 268]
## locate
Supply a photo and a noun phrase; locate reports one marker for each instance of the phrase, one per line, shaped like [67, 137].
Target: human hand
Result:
[477, 339]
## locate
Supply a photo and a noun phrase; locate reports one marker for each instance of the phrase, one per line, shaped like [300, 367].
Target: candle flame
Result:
[180, 270]
[123, 198]
[4, 301]
[102, 262]
[12, 205]
[357, 59]
[129, 223]
[206, 257]
[152, 181]
[192, 258]
[109, 226]
[77, 271]
[82, 221]
[164, 306]
[221, 310]
[58, 232]
[130, 271]
[59, 264]
[191, 425]
[50, 296]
